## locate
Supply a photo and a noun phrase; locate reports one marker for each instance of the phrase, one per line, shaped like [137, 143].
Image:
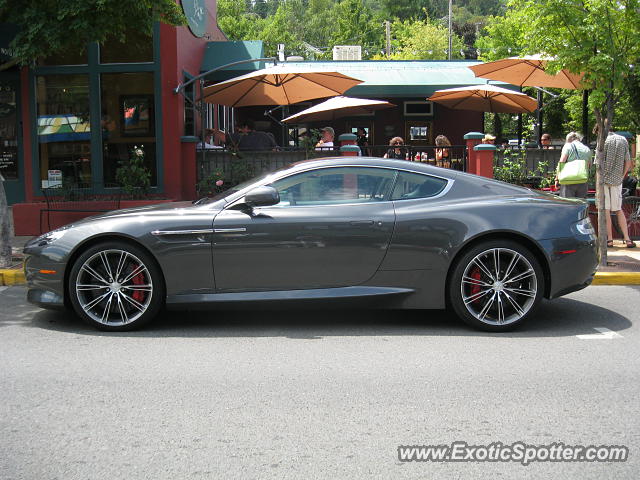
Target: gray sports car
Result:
[405, 234]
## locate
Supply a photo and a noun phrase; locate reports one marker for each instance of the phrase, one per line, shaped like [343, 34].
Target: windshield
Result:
[236, 188]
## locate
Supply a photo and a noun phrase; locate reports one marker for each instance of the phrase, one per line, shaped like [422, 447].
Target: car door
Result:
[331, 228]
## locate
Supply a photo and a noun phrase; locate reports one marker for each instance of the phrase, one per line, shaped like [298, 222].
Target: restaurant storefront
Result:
[75, 117]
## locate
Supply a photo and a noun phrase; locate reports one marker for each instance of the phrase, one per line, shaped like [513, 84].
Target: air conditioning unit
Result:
[347, 52]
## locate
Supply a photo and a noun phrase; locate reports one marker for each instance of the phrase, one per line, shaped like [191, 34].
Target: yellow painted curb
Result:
[616, 278]
[12, 277]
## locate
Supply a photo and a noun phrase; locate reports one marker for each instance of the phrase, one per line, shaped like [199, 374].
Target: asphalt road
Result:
[315, 394]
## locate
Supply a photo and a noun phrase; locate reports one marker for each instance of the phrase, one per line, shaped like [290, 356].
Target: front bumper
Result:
[45, 299]
[45, 281]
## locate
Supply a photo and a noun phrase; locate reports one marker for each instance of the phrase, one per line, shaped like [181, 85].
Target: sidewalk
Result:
[623, 268]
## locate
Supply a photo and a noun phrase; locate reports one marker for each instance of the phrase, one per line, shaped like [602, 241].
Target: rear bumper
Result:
[574, 271]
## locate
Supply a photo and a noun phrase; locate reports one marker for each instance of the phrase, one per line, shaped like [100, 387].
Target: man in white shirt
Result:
[326, 140]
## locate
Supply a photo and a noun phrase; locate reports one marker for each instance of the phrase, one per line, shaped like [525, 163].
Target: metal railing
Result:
[235, 167]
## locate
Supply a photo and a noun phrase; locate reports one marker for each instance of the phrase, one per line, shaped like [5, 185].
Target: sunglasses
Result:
[398, 143]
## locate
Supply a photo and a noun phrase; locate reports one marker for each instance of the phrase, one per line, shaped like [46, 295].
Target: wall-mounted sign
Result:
[196, 13]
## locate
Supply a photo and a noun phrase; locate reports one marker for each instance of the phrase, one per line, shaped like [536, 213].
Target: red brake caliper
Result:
[138, 295]
[475, 274]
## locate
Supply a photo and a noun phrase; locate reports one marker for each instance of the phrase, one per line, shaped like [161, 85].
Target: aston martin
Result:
[393, 233]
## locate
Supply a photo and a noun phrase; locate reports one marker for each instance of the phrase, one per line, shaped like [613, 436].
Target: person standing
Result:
[442, 152]
[363, 141]
[616, 162]
[573, 150]
[248, 138]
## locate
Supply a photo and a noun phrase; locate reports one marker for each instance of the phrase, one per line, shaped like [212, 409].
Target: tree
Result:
[597, 37]
[422, 40]
[48, 27]
[353, 24]
[237, 21]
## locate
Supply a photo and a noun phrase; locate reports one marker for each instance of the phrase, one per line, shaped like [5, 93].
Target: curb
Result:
[616, 278]
[16, 277]
[12, 277]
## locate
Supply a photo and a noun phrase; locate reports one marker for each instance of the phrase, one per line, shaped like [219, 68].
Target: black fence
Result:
[533, 157]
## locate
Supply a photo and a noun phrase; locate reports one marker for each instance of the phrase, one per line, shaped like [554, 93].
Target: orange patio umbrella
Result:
[485, 98]
[528, 71]
[278, 85]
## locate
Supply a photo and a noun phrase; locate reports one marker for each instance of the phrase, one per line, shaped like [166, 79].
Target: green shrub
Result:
[133, 176]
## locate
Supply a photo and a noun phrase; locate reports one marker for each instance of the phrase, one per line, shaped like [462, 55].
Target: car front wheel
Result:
[496, 285]
[116, 286]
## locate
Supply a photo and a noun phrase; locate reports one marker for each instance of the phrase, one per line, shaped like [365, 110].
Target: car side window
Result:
[335, 186]
[415, 185]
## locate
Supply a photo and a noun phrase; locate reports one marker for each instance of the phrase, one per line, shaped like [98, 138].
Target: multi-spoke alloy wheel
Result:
[495, 286]
[115, 287]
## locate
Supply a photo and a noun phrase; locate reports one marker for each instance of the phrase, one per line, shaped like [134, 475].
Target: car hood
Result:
[154, 210]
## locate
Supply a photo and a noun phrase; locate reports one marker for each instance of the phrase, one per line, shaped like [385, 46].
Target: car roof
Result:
[372, 162]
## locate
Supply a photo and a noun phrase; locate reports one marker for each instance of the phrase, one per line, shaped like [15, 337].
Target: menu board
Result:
[9, 162]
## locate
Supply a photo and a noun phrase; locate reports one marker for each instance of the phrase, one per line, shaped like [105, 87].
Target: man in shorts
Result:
[616, 162]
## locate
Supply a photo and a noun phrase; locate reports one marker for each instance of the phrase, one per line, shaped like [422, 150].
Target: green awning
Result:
[392, 78]
[381, 78]
[217, 54]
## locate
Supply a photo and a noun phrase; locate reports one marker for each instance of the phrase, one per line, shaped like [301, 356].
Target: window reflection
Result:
[335, 186]
[63, 129]
[127, 120]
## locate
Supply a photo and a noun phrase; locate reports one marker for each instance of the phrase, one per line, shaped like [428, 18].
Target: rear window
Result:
[414, 185]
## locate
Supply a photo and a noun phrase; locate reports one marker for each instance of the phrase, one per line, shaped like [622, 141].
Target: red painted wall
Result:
[180, 51]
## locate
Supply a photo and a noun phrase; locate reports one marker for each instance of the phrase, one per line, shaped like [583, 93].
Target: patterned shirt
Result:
[616, 154]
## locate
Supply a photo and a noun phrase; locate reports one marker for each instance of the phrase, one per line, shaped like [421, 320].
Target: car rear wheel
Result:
[116, 286]
[496, 285]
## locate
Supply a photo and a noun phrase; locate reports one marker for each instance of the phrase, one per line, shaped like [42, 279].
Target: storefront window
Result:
[63, 129]
[127, 120]
[8, 131]
[138, 47]
[72, 56]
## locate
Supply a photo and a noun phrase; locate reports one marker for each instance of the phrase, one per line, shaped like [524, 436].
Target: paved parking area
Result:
[315, 394]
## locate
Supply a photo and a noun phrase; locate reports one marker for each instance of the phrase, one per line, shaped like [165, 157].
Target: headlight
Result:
[50, 237]
[584, 227]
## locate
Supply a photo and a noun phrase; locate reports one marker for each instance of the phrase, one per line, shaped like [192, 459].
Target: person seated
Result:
[489, 139]
[545, 141]
[247, 138]
[211, 138]
[327, 134]
[397, 149]
[442, 152]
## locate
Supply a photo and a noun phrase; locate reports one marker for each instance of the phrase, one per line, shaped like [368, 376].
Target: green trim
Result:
[473, 136]
[94, 69]
[95, 116]
[484, 146]
[349, 148]
[189, 139]
[347, 137]
[158, 110]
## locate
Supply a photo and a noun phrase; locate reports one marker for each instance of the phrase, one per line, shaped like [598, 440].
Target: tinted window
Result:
[415, 185]
[330, 186]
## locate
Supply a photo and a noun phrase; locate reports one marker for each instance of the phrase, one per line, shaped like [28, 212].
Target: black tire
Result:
[490, 302]
[115, 286]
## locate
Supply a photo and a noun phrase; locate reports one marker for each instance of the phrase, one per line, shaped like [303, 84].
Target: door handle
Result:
[361, 223]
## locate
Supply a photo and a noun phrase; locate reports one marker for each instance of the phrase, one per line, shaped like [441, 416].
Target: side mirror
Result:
[262, 197]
